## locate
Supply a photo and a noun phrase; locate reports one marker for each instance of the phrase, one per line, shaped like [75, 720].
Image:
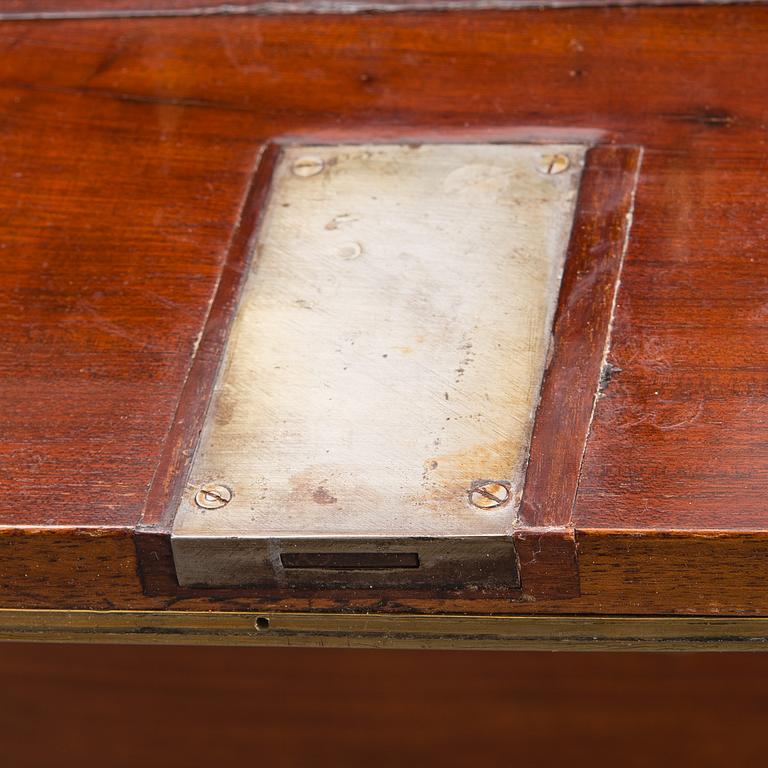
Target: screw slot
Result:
[551, 165]
[489, 494]
[262, 624]
[213, 496]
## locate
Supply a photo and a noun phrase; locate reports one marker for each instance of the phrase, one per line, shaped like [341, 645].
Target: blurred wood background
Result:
[121, 707]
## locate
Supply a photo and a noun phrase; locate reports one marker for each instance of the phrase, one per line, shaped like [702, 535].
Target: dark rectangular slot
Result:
[347, 561]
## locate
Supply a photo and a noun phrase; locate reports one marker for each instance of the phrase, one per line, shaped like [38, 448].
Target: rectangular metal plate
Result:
[384, 364]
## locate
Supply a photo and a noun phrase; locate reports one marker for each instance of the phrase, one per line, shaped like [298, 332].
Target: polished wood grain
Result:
[116, 221]
[89, 706]
[545, 540]
[178, 450]
[129, 146]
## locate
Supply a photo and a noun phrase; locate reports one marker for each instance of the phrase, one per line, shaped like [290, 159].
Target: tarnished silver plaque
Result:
[372, 416]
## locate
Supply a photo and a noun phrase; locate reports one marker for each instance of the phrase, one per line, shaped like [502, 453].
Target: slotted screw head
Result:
[489, 494]
[213, 496]
[550, 165]
[309, 165]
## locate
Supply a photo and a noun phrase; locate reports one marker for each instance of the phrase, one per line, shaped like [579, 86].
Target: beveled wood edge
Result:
[459, 632]
[152, 534]
[581, 334]
[545, 541]
[194, 401]
[149, 9]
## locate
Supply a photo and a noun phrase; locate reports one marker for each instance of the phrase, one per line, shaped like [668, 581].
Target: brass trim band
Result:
[683, 633]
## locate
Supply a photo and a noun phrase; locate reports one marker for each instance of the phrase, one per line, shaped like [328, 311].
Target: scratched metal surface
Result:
[390, 344]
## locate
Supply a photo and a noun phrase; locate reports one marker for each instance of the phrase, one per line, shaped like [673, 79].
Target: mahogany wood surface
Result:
[580, 335]
[174, 707]
[128, 149]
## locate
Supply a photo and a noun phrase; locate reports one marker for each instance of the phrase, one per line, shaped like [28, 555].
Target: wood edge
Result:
[548, 563]
[448, 631]
[155, 564]
[194, 400]
[679, 534]
[152, 533]
[580, 335]
[96, 569]
[580, 340]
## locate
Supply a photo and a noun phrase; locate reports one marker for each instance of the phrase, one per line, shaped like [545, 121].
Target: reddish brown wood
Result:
[326, 708]
[619, 573]
[128, 149]
[184, 433]
[117, 218]
[545, 542]
[580, 335]
[548, 562]
[679, 436]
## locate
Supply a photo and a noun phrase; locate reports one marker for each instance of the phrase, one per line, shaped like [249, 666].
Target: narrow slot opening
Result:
[347, 561]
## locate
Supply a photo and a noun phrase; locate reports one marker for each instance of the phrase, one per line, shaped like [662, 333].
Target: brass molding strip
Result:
[387, 631]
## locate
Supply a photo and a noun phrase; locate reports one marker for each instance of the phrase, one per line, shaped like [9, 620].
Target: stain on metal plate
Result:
[384, 367]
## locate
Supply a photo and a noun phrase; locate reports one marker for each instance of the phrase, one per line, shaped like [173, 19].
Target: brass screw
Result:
[309, 165]
[550, 165]
[213, 496]
[488, 494]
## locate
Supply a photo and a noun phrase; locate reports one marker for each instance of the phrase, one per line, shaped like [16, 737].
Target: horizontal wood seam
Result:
[327, 7]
